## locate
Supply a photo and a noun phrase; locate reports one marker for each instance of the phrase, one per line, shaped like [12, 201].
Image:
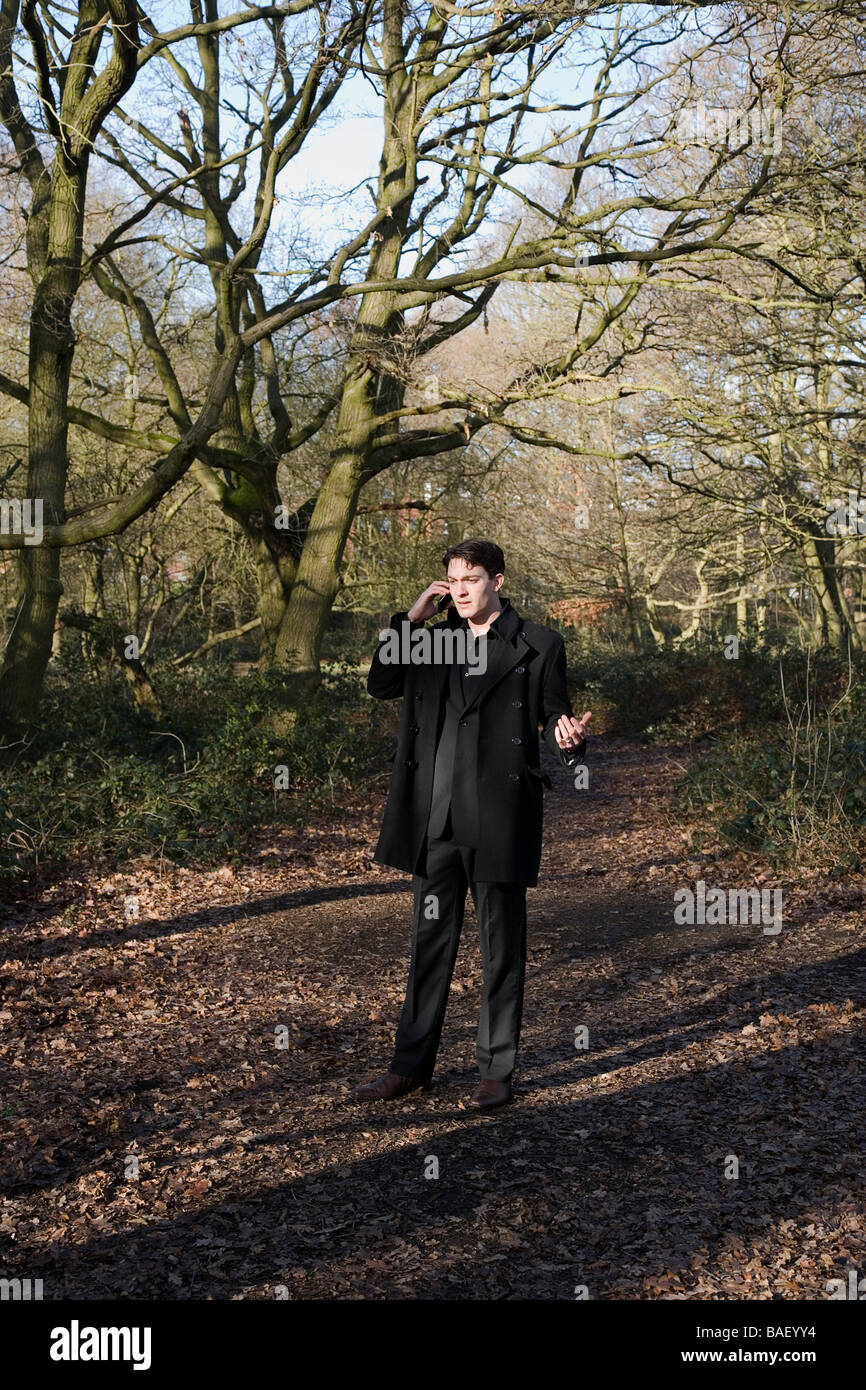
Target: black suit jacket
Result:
[497, 783]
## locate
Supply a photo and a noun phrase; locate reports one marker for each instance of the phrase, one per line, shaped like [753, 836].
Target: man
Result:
[465, 803]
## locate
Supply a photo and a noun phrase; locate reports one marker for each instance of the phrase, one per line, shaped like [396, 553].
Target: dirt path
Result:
[159, 1143]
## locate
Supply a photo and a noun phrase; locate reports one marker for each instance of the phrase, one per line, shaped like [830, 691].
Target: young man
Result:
[465, 802]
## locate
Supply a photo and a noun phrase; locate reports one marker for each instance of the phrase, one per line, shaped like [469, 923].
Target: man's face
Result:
[473, 592]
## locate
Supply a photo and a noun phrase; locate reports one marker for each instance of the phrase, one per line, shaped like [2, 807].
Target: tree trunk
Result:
[110, 642]
[318, 577]
[51, 349]
[370, 388]
[820, 556]
[276, 561]
[742, 603]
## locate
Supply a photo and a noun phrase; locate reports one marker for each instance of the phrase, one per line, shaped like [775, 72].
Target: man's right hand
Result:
[425, 606]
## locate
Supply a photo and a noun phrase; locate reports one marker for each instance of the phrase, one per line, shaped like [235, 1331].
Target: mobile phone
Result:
[444, 602]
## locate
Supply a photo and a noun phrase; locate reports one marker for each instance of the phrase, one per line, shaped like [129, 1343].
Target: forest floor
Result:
[160, 1141]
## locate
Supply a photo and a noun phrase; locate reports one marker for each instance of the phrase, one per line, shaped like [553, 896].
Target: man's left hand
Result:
[570, 732]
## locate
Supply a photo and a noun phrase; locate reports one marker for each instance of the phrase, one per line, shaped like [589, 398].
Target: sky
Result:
[343, 151]
[322, 197]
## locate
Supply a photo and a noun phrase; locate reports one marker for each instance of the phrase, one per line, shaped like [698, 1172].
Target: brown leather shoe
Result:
[488, 1094]
[390, 1086]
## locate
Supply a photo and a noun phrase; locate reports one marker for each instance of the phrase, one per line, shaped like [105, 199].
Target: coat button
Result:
[517, 740]
[517, 704]
[515, 776]
[464, 721]
[520, 670]
[523, 634]
[410, 763]
[417, 697]
[415, 729]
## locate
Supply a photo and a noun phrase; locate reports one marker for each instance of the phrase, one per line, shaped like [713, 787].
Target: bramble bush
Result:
[694, 692]
[779, 753]
[779, 740]
[106, 778]
[796, 793]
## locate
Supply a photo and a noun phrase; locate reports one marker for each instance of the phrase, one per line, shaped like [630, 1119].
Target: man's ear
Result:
[498, 581]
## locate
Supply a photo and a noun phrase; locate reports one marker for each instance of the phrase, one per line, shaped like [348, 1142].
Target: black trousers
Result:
[440, 897]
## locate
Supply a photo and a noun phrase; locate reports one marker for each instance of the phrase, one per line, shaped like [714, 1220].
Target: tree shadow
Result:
[622, 1199]
[534, 1198]
[154, 929]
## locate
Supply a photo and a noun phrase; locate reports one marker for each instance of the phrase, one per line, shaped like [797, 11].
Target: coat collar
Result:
[502, 655]
[507, 625]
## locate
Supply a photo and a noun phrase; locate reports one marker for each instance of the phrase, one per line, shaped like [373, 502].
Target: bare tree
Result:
[54, 145]
[464, 115]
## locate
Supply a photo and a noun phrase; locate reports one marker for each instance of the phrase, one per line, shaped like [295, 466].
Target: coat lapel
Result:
[503, 654]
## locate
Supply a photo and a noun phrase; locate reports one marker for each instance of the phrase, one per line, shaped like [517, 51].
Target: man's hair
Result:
[478, 552]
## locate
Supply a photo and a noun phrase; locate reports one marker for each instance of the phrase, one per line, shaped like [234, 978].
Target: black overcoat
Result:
[497, 758]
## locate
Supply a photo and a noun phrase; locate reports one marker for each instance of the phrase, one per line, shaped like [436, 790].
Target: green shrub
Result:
[694, 693]
[797, 792]
[106, 778]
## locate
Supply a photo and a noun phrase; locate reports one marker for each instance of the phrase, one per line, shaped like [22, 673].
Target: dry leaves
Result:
[178, 1120]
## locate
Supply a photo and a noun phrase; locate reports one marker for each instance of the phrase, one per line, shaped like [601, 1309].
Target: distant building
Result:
[179, 569]
[588, 612]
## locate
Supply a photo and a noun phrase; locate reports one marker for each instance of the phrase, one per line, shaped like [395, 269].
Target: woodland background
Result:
[296, 296]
